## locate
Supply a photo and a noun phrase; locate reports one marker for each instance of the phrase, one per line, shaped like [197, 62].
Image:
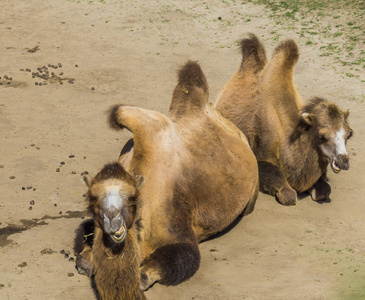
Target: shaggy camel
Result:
[194, 174]
[293, 142]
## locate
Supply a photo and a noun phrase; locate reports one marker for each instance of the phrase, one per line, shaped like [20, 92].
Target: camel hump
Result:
[288, 53]
[191, 75]
[192, 91]
[253, 54]
[137, 120]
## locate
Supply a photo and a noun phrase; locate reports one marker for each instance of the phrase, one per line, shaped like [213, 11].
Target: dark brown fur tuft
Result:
[253, 54]
[191, 75]
[291, 52]
[113, 118]
[309, 107]
[114, 170]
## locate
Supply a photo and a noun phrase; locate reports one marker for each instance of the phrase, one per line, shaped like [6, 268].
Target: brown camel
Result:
[191, 175]
[293, 142]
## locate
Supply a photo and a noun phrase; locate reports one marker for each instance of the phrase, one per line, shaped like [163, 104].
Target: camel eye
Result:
[322, 138]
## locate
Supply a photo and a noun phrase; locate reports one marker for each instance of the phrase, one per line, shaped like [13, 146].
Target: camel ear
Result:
[308, 118]
[346, 113]
[139, 181]
[87, 180]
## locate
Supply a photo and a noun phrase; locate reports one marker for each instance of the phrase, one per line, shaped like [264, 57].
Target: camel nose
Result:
[343, 161]
[116, 223]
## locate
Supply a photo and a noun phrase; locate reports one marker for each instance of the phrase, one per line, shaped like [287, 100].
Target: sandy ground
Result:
[111, 52]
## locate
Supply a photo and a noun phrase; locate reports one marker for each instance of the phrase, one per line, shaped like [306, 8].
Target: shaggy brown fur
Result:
[197, 174]
[293, 142]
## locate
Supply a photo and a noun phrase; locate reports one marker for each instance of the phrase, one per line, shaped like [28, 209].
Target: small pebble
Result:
[36, 83]
[22, 265]
[60, 65]
[70, 274]
[93, 89]
[60, 212]
[2, 285]
[58, 169]
[66, 255]
[62, 251]
[12, 177]
[32, 202]
[29, 187]
[73, 172]
[34, 189]
[30, 208]
[47, 251]
[55, 204]
[23, 188]
[76, 66]
[62, 162]
[71, 259]
[71, 156]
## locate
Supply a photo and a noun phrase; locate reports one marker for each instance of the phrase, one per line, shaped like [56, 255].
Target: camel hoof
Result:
[287, 197]
[83, 266]
[144, 285]
[321, 193]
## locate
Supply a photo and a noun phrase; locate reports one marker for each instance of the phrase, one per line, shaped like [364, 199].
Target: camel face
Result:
[331, 133]
[112, 200]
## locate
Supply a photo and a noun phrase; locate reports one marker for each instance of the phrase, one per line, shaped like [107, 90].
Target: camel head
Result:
[112, 199]
[330, 131]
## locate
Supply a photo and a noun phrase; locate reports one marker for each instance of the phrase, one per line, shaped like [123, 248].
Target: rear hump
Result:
[288, 53]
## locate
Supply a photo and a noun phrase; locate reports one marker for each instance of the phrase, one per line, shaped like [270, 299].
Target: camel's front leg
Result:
[82, 247]
[273, 182]
[170, 265]
[321, 190]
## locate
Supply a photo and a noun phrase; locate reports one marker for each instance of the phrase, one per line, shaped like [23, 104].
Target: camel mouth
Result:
[335, 167]
[120, 234]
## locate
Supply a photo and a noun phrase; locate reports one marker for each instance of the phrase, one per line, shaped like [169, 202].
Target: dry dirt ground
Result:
[109, 52]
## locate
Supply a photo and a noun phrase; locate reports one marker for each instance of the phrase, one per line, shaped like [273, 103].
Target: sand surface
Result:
[109, 52]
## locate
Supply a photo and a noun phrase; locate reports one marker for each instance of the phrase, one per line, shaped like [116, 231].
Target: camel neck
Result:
[116, 276]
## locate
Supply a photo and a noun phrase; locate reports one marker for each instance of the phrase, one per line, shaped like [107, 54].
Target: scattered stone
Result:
[70, 274]
[76, 66]
[62, 251]
[30, 208]
[66, 255]
[93, 89]
[32, 202]
[22, 265]
[73, 172]
[12, 177]
[58, 169]
[60, 212]
[84, 195]
[36, 83]
[47, 251]
[71, 156]
[71, 259]
[23, 188]
[2, 285]
[55, 204]
[84, 157]
[62, 162]
[29, 187]
[34, 189]
[59, 65]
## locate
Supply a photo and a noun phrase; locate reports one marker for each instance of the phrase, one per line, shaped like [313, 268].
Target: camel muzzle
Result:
[340, 162]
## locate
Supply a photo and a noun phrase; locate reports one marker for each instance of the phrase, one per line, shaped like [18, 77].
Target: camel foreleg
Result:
[170, 265]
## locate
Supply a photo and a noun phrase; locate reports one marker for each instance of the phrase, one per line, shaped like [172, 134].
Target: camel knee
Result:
[287, 196]
[170, 265]
[321, 190]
